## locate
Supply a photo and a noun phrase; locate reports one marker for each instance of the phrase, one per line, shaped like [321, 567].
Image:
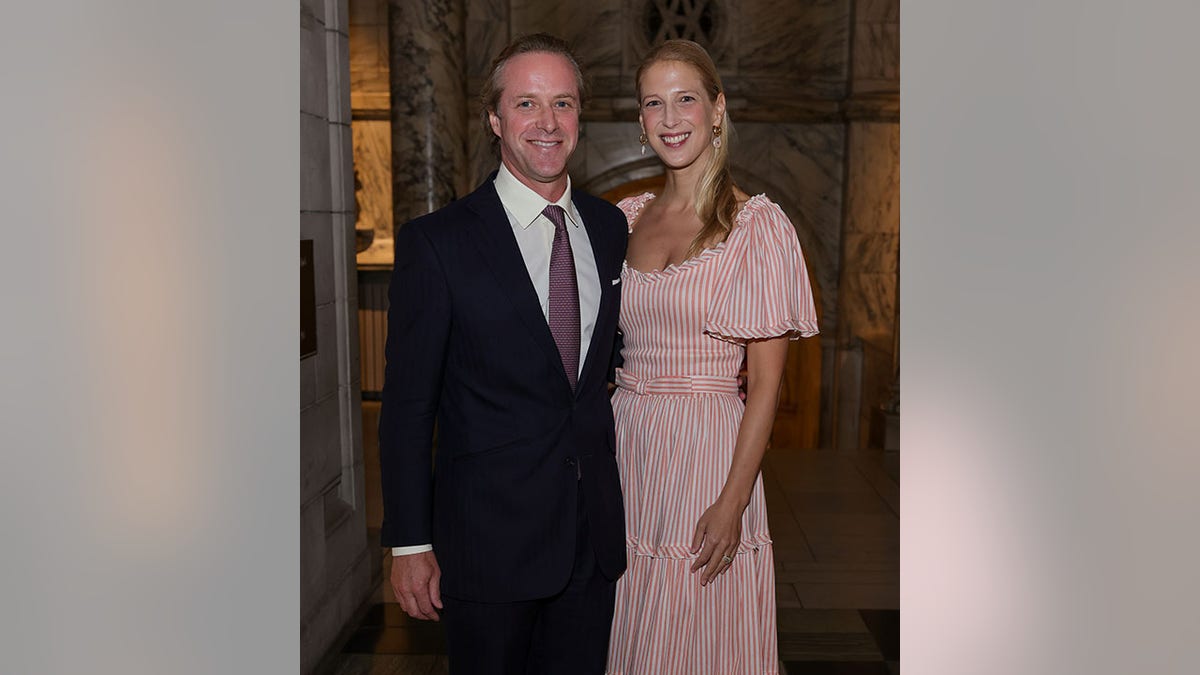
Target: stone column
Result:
[337, 562]
[427, 56]
[868, 287]
[868, 290]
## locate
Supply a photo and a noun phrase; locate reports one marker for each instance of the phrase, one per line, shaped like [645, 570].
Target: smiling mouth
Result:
[676, 140]
[545, 144]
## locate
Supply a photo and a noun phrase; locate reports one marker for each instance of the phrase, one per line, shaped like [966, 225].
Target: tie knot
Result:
[556, 215]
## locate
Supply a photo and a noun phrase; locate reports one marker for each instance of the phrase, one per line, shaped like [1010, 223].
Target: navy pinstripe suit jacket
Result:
[468, 349]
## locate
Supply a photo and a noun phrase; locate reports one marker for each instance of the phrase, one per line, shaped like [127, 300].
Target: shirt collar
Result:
[526, 205]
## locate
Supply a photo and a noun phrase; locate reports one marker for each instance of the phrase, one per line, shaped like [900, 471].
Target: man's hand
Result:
[743, 372]
[415, 581]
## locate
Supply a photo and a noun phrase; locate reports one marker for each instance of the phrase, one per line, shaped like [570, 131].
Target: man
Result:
[501, 329]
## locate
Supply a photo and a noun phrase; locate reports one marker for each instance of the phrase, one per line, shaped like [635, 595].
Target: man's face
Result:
[537, 120]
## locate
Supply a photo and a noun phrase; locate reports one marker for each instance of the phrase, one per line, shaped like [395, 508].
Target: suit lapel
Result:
[498, 247]
[591, 222]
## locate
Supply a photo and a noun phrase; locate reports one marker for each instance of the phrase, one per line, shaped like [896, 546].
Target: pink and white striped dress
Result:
[677, 414]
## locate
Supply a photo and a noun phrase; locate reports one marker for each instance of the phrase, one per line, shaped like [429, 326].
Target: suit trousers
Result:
[565, 634]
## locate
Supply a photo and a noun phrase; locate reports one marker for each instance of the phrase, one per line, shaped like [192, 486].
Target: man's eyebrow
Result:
[533, 95]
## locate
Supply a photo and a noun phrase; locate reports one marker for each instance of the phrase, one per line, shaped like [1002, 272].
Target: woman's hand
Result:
[719, 530]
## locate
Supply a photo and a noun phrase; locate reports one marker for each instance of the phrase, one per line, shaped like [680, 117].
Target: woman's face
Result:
[677, 113]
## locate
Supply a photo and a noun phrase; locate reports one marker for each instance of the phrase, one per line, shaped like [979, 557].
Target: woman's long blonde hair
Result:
[714, 201]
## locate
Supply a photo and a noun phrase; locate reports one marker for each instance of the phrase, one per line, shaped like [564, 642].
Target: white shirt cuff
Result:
[411, 550]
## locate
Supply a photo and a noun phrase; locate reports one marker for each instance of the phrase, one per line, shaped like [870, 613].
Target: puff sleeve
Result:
[632, 206]
[763, 289]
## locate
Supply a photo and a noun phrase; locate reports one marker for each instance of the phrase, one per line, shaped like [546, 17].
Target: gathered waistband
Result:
[676, 385]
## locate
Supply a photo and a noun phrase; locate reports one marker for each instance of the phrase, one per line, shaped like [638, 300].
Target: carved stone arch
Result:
[612, 178]
[821, 262]
[808, 373]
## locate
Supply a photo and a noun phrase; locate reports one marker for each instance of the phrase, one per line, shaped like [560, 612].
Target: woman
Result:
[712, 275]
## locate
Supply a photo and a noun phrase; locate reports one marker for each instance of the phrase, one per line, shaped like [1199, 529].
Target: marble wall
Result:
[370, 102]
[876, 59]
[870, 272]
[335, 560]
[781, 61]
[368, 32]
[794, 49]
[428, 113]
[813, 91]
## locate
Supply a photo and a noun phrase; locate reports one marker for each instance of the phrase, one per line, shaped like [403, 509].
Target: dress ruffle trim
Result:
[677, 267]
[792, 328]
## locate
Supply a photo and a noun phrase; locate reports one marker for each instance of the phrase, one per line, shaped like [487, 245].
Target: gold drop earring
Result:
[716, 137]
[643, 140]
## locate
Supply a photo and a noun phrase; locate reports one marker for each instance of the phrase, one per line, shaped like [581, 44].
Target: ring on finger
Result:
[727, 560]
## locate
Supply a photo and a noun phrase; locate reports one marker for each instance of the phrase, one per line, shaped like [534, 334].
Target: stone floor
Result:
[834, 518]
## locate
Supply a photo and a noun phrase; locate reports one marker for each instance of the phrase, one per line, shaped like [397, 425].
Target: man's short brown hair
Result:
[536, 43]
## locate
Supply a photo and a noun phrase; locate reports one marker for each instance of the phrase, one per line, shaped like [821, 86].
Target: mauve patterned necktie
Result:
[564, 295]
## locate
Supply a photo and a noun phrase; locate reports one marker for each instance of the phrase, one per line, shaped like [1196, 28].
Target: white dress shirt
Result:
[535, 237]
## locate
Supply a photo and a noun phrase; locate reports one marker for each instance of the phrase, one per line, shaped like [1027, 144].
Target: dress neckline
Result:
[703, 255]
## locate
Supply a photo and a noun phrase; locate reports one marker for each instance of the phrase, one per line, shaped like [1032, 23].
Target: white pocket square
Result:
[616, 281]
